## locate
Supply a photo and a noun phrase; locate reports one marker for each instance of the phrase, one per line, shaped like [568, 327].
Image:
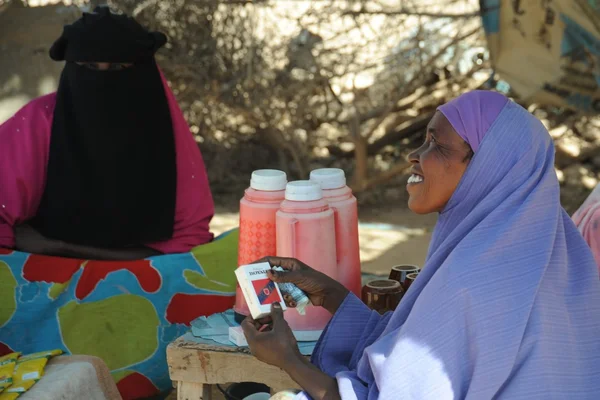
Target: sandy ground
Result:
[394, 236]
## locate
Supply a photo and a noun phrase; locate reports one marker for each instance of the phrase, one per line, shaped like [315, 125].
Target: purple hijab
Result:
[507, 305]
[473, 113]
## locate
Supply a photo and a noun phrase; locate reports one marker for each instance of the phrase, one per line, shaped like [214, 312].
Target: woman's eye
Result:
[118, 66]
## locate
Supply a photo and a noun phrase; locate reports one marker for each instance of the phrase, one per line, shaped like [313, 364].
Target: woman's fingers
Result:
[289, 300]
[283, 277]
[276, 314]
[263, 321]
[288, 264]
[249, 328]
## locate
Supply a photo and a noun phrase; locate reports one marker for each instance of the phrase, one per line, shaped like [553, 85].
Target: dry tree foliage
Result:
[299, 84]
[316, 81]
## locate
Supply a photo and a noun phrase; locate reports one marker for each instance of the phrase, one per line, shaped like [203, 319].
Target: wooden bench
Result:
[196, 367]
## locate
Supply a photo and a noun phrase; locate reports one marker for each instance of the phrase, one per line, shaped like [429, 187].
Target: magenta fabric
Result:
[587, 219]
[473, 113]
[25, 141]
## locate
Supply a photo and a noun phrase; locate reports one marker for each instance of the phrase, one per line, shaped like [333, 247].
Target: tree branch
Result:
[409, 85]
[385, 176]
[414, 14]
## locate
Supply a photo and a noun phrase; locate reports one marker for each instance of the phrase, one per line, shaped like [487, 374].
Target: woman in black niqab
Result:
[111, 177]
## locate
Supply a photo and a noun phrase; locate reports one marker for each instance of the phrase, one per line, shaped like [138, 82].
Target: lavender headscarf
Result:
[507, 305]
[473, 113]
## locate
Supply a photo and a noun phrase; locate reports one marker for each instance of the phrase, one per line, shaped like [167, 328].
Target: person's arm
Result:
[353, 327]
[98, 253]
[586, 219]
[7, 237]
[312, 380]
[277, 346]
[27, 239]
[352, 319]
[24, 144]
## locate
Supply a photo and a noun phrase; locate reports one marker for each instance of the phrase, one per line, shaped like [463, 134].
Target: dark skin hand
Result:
[277, 346]
[29, 240]
[322, 290]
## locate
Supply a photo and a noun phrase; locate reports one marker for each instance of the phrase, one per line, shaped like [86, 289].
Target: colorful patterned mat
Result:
[123, 312]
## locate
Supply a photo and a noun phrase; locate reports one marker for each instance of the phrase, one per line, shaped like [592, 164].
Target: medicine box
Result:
[259, 291]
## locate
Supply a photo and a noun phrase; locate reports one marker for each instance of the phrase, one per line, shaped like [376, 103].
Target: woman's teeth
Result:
[415, 179]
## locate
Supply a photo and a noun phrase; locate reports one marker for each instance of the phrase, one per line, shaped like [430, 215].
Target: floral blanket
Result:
[125, 313]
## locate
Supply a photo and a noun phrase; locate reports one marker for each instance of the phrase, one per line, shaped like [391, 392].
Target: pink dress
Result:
[24, 149]
[587, 219]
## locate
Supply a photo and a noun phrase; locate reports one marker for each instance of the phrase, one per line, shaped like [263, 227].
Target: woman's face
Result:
[438, 166]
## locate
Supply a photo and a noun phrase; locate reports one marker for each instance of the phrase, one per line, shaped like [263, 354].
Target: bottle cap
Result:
[303, 191]
[268, 180]
[329, 178]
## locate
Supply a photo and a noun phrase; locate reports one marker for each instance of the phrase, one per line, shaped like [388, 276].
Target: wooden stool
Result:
[196, 367]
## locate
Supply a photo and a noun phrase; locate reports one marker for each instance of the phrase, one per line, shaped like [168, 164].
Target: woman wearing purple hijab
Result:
[508, 303]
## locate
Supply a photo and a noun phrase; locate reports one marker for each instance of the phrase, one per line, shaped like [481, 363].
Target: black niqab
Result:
[111, 177]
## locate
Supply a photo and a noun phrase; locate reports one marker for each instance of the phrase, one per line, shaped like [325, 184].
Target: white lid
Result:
[269, 180]
[329, 178]
[303, 191]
